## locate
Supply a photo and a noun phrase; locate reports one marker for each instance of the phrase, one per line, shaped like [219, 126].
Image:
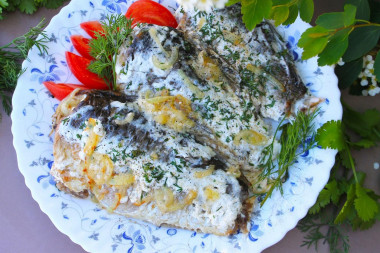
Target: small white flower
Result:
[187, 4]
[369, 66]
[202, 5]
[365, 92]
[369, 57]
[374, 81]
[219, 3]
[340, 62]
[373, 92]
[364, 82]
[376, 166]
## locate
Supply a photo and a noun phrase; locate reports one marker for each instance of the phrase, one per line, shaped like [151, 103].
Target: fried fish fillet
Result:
[181, 141]
[105, 147]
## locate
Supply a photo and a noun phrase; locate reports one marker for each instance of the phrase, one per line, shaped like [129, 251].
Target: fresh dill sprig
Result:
[297, 137]
[106, 45]
[11, 57]
[315, 227]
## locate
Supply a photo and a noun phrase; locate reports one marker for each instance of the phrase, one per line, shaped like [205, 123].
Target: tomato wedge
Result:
[62, 90]
[147, 11]
[78, 65]
[81, 44]
[91, 27]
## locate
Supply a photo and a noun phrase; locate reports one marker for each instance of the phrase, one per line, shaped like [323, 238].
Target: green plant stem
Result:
[285, 5]
[347, 149]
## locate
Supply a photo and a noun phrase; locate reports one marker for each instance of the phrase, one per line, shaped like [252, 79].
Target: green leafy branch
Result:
[11, 56]
[347, 35]
[282, 12]
[344, 200]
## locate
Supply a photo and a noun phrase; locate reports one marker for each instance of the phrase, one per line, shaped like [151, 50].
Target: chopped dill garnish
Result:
[152, 172]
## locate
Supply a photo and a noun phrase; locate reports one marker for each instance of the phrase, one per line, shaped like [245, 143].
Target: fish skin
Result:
[280, 65]
[189, 50]
[140, 134]
[286, 74]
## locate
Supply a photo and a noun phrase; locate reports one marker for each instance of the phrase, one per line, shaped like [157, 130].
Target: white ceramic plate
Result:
[96, 230]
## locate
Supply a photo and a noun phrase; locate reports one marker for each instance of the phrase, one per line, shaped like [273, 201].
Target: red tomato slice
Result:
[78, 65]
[147, 11]
[91, 27]
[81, 44]
[62, 90]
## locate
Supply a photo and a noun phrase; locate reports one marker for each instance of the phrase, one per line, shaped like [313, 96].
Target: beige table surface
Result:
[25, 228]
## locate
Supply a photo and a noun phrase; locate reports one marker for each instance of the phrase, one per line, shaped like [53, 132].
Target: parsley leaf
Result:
[347, 207]
[365, 205]
[330, 193]
[27, 6]
[365, 124]
[364, 143]
[331, 135]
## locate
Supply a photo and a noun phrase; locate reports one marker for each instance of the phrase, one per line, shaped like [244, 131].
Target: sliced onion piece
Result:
[166, 65]
[198, 93]
[259, 71]
[251, 137]
[153, 35]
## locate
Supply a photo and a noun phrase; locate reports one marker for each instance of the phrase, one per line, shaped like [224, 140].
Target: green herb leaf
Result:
[27, 6]
[3, 3]
[313, 41]
[361, 41]
[52, 4]
[347, 207]
[329, 193]
[306, 8]
[362, 6]
[335, 48]
[293, 14]
[349, 72]
[254, 11]
[345, 159]
[331, 135]
[364, 204]
[11, 56]
[279, 14]
[292, 137]
[364, 143]
[105, 47]
[366, 124]
[232, 2]
[337, 20]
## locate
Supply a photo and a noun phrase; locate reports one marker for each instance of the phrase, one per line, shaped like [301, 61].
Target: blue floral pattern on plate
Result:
[98, 231]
